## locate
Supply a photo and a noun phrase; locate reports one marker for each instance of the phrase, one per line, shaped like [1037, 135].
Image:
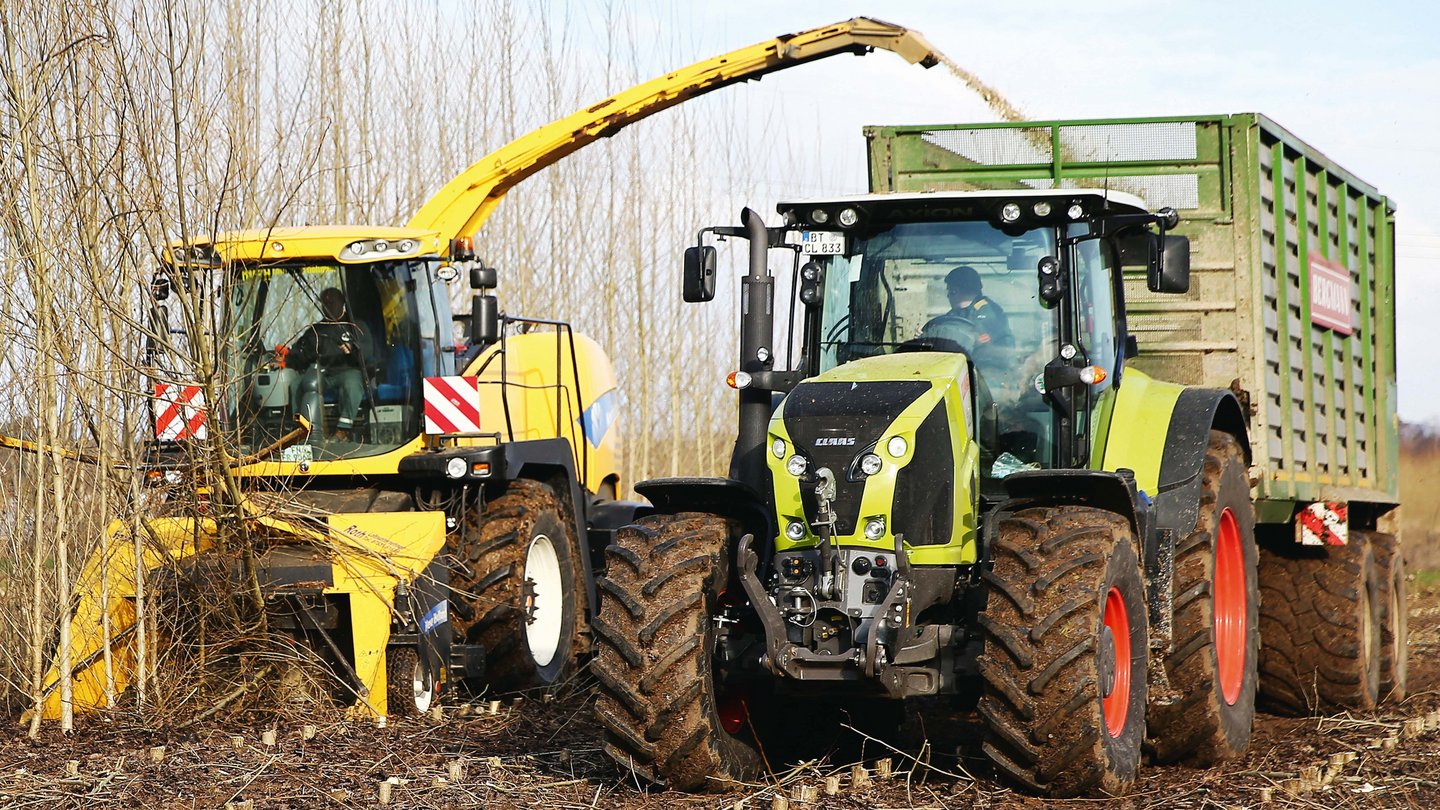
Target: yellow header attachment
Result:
[463, 205]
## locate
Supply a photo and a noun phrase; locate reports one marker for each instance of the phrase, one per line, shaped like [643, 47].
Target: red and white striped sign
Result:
[1326, 523]
[452, 405]
[179, 412]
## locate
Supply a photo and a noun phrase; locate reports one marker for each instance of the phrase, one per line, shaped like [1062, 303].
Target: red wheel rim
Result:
[1231, 608]
[1116, 704]
[733, 711]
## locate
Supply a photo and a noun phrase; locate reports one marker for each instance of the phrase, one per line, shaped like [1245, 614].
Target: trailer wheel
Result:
[524, 578]
[668, 715]
[1066, 649]
[409, 684]
[1214, 665]
[1320, 624]
[1394, 615]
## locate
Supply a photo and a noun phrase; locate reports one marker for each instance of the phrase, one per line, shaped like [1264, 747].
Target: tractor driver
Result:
[331, 352]
[972, 313]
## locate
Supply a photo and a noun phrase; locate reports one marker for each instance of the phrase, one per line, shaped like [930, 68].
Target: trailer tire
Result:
[1394, 616]
[523, 576]
[1214, 666]
[660, 693]
[1320, 627]
[1066, 652]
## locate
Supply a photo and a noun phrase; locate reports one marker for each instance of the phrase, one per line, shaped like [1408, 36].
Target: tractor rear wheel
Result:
[1066, 648]
[1320, 623]
[667, 713]
[1394, 616]
[1214, 665]
[524, 578]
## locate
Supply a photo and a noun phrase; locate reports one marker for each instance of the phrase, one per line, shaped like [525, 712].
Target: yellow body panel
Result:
[1139, 425]
[370, 554]
[946, 374]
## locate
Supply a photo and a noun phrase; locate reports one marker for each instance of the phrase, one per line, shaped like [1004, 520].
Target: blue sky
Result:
[1361, 84]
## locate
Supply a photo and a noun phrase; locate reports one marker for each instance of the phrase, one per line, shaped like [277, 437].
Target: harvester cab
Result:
[921, 501]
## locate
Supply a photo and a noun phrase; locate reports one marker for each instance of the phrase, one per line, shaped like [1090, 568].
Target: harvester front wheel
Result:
[409, 683]
[1320, 621]
[666, 713]
[1394, 616]
[527, 585]
[1066, 645]
[1214, 665]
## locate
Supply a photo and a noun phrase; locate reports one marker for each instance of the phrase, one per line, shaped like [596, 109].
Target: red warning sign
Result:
[452, 405]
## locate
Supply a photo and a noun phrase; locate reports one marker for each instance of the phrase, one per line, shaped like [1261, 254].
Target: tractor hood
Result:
[911, 411]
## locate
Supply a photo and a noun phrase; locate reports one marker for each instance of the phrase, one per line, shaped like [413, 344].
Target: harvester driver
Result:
[332, 354]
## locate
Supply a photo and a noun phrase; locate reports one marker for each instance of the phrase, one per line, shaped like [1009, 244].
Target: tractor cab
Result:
[1019, 282]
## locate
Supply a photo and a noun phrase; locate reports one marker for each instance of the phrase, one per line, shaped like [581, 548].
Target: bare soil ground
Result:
[546, 753]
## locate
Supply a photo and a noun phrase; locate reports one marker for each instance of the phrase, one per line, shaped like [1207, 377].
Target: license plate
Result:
[822, 243]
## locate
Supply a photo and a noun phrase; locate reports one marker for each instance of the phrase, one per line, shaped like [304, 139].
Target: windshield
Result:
[338, 344]
[953, 286]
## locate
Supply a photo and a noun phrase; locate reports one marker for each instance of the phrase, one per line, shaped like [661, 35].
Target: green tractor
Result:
[953, 486]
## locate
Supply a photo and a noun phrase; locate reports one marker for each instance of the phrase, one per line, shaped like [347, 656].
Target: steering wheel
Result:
[950, 328]
[931, 344]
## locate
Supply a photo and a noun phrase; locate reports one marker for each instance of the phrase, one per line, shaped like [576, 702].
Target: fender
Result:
[548, 460]
[726, 497]
[1177, 499]
[1111, 491]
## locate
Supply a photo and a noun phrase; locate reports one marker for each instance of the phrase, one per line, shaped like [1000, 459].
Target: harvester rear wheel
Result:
[1394, 616]
[1066, 648]
[1214, 665]
[667, 714]
[1320, 623]
[524, 577]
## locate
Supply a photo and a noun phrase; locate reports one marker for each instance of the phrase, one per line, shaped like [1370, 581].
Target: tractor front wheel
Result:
[1066, 648]
[669, 716]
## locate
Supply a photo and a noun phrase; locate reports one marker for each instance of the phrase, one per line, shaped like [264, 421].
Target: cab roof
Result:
[311, 242]
[1112, 198]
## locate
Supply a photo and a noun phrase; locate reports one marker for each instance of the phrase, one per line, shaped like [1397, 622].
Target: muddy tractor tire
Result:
[523, 576]
[1214, 666]
[1394, 616]
[661, 697]
[1320, 626]
[409, 684]
[1066, 646]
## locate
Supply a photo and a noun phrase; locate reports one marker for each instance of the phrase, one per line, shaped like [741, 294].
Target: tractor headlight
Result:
[796, 466]
[848, 217]
[777, 448]
[457, 467]
[1010, 212]
[869, 464]
[795, 530]
[897, 446]
[819, 216]
[1041, 209]
[874, 528]
[1075, 211]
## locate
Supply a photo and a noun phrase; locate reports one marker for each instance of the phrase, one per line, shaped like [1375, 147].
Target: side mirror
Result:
[1169, 270]
[484, 320]
[482, 278]
[160, 286]
[699, 280]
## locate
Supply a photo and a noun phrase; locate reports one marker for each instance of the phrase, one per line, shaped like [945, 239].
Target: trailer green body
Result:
[1260, 207]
